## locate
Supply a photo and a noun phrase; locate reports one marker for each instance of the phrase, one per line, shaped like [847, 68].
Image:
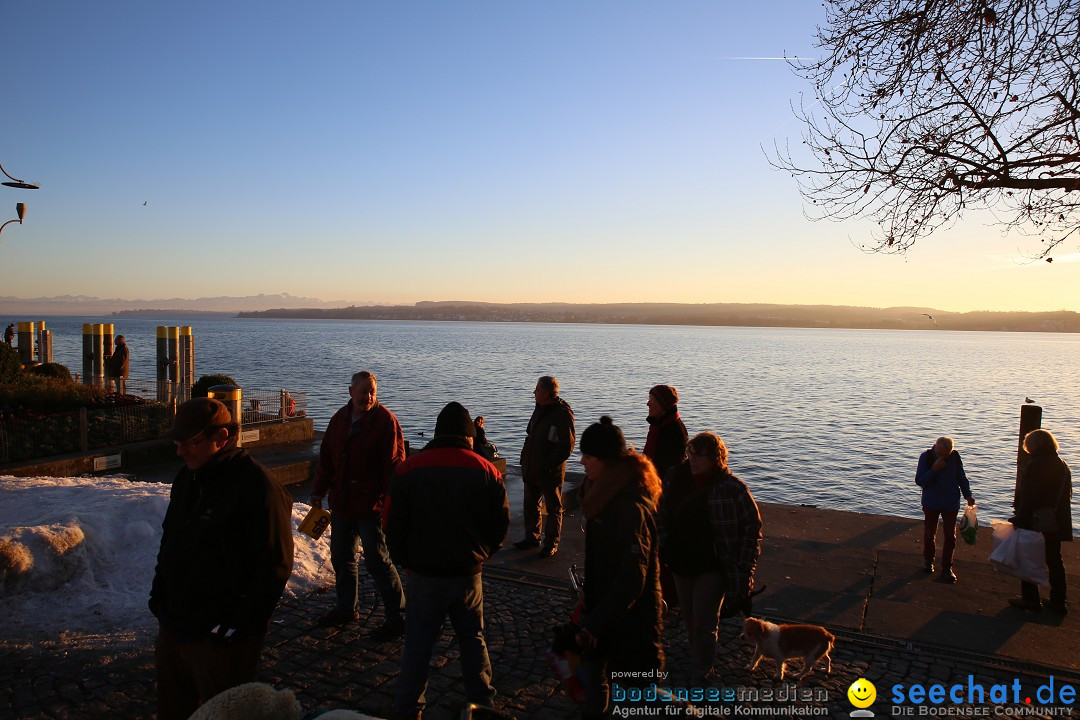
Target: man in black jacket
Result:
[448, 514]
[226, 555]
[549, 441]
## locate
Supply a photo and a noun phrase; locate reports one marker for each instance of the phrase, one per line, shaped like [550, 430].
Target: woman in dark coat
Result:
[1045, 485]
[711, 538]
[666, 442]
[621, 623]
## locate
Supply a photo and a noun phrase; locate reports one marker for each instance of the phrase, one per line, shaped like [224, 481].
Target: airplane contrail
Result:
[744, 57]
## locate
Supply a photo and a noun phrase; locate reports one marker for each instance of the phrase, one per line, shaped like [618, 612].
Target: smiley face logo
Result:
[862, 693]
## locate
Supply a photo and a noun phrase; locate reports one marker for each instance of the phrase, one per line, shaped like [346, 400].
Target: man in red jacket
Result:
[362, 446]
[449, 515]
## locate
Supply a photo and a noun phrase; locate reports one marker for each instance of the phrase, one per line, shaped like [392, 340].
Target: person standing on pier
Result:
[621, 625]
[1043, 502]
[362, 446]
[116, 365]
[9, 333]
[549, 441]
[710, 529]
[448, 515]
[226, 555]
[942, 478]
[666, 443]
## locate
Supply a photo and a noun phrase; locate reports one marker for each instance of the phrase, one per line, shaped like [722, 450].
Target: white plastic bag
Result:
[1020, 553]
[969, 525]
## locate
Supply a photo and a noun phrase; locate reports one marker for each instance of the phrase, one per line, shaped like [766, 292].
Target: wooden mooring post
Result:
[1030, 419]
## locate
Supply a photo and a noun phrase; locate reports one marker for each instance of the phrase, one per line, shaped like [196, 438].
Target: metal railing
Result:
[258, 406]
[80, 430]
[26, 438]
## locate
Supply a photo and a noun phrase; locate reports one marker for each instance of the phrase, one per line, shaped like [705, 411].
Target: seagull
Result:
[930, 316]
[144, 203]
[1028, 400]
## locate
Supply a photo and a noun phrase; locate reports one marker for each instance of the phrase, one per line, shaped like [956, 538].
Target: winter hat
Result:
[667, 395]
[196, 416]
[603, 440]
[454, 420]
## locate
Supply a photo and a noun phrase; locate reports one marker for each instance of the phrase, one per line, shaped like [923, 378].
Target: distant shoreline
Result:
[715, 314]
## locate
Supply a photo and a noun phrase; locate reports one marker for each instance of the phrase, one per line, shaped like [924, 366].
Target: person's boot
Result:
[1024, 604]
[1058, 607]
[336, 617]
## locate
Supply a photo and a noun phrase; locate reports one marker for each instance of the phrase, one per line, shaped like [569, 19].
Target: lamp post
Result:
[17, 183]
[20, 208]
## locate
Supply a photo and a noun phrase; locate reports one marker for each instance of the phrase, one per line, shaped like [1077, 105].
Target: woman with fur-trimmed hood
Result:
[622, 624]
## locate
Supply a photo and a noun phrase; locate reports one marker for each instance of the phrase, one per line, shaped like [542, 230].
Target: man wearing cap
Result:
[116, 365]
[448, 514]
[226, 554]
[666, 442]
[549, 441]
[362, 446]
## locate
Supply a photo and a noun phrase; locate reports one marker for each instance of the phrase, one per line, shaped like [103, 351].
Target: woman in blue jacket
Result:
[942, 478]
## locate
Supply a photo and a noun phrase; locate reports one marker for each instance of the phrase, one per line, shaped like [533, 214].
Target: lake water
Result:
[834, 418]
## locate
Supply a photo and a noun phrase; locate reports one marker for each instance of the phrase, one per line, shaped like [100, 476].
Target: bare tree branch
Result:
[926, 108]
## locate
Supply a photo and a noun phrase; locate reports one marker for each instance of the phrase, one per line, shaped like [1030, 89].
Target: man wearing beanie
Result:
[666, 442]
[448, 514]
[226, 555]
[549, 441]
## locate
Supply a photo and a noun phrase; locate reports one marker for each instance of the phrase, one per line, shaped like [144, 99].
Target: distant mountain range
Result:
[283, 305]
[86, 305]
[737, 314]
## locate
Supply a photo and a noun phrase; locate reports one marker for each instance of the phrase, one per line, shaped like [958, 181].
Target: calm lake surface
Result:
[834, 418]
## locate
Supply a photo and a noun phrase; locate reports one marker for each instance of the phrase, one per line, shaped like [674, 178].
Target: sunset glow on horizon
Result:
[494, 152]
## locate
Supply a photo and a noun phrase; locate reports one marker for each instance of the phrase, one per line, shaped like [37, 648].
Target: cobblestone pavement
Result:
[341, 667]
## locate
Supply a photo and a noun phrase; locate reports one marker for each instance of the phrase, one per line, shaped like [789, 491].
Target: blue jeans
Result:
[430, 600]
[345, 538]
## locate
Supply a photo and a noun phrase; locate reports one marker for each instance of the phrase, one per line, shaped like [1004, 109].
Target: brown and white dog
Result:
[786, 642]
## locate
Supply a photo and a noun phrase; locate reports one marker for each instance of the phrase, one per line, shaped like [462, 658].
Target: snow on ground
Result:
[77, 555]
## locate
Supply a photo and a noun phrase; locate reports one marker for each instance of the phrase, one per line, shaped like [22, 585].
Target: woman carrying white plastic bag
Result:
[1042, 504]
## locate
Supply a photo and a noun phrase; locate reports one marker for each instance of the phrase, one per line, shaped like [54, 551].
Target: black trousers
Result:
[1056, 566]
[190, 673]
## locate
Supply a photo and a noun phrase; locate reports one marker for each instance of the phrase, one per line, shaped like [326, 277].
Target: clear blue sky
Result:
[606, 151]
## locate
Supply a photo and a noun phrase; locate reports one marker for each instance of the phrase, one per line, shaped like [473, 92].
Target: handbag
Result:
[1019, 552]
[564, 659]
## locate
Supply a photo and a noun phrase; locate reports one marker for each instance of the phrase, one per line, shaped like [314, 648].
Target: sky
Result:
[378, 152]
[92, 545]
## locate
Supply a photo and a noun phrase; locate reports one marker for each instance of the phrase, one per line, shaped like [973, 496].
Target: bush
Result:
[38, 394]
[51, 370]
[10, 364]
[202, 386]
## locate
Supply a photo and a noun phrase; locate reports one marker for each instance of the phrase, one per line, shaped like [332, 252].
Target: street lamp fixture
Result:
[20, 208]
[17, 183]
